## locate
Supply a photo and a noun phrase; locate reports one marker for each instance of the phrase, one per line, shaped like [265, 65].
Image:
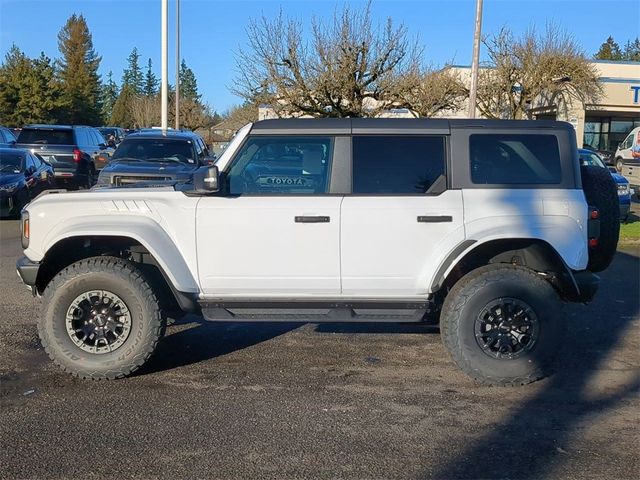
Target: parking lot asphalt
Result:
[322, 401]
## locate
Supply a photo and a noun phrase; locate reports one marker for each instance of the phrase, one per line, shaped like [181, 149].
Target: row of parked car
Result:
[72, 157]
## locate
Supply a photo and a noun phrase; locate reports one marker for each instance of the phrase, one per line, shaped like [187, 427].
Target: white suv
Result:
[482, 225]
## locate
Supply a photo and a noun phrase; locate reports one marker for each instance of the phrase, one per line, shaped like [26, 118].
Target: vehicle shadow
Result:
[536, 436]
[197, 340]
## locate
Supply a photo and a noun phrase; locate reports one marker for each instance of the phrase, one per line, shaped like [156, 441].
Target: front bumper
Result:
[28, 271]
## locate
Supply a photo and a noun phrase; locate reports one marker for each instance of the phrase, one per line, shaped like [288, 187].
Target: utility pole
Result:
[476, 60]
[177, 64]
[164, 86]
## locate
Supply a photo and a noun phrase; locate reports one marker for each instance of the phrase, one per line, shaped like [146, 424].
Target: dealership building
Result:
[606, 123]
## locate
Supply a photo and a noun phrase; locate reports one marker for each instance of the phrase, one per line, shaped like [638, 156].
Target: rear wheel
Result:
[502, 325]
[619, 165]
[101, 319]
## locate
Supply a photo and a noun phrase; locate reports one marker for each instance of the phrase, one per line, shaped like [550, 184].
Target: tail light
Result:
[593, 242]
[77, 155]
[594, 214]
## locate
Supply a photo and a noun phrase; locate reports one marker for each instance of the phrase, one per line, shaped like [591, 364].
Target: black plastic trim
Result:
[28, 270]
[455, 253]
[434, 218]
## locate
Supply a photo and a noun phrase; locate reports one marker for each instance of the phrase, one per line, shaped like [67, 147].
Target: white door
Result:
[275, 232]
[396, 226]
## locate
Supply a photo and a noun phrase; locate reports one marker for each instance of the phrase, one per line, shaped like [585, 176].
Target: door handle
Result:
[434, 218]
[312, 219]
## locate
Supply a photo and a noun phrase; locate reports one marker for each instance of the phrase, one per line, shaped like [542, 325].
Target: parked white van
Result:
[625, 162]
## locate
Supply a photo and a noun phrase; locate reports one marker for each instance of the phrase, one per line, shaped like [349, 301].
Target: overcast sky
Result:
[213, 29]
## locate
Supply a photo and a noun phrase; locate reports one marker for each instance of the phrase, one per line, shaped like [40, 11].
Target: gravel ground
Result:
[322, 401]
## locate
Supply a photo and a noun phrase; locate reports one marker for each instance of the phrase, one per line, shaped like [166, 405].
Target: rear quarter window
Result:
[514, 159]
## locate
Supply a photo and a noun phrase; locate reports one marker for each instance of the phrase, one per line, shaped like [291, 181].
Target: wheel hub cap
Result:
[98, 321]
[506, 328]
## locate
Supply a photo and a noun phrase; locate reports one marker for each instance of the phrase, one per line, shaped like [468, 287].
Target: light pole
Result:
[476, 60]
[164, 74]
[177, 64]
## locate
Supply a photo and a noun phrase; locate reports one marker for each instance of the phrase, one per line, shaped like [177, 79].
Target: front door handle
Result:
[434, 218]
[312, 219]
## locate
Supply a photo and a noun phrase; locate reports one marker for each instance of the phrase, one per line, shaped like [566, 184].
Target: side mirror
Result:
[206, 180]
[210, 160]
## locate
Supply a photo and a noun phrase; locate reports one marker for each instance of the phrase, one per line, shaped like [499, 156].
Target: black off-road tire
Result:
[471, 295]
[601, 192]
[123, 279]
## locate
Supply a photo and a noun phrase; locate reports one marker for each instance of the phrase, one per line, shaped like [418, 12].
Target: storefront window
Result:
[605, 133]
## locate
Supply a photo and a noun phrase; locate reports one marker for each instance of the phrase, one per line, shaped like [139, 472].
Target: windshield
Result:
[107, 131]
[591, 159]
[46, 137]
[156, 150]
[11, 162]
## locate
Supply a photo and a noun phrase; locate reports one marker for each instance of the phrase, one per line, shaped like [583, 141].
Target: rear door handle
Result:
[434, 218]
[312, 219]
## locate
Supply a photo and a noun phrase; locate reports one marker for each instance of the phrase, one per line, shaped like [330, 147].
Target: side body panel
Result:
[386, 251]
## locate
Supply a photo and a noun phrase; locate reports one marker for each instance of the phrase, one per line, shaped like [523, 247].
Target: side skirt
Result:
[314, 311]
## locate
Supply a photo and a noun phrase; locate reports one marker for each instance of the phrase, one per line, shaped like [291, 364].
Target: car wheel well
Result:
[72, 249]
[535, 254]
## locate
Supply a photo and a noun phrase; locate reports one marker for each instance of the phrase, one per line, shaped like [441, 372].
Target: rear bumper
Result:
[624, 209]
[27, 271]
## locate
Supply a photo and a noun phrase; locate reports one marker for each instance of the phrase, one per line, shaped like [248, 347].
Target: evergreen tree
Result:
[151, 82]
[78, 71]
[109, 97]
[29, 92]
[632, 51]
[188, 83]
[41, 98]
[122, 110]
[609, 50]
[132, 75]
[13, 72]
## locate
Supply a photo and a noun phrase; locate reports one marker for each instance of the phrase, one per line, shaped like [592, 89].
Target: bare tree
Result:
[346, 62]
[145, 110]
[427, 92]
[548, 69]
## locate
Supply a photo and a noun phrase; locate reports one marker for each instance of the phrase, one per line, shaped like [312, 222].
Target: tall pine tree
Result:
[188, 83]
[109, 97]
[632, 51]
[151, 82]
[78, 71]
[609, 50]
[132, 75]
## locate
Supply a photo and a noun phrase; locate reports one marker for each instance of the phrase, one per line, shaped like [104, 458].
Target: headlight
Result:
[9, 187]
[623, 189]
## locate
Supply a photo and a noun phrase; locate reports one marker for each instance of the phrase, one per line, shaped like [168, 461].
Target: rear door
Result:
[275, 230]
[400, 216]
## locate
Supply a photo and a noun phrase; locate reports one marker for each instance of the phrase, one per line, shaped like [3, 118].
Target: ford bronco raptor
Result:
[486, 227]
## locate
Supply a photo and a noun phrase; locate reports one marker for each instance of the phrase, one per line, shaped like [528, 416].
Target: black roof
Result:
[347, 126]
[54, 127]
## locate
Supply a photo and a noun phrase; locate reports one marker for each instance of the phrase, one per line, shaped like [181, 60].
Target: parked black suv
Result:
[75, 152]
[156, 156]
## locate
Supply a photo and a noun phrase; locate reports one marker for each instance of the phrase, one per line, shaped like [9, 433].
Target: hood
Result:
[619, 178]
[148, 168]
[9, 178]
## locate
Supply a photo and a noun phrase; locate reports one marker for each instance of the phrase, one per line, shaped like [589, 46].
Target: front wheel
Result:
[502, 325]
[619, 165]
[101, 319]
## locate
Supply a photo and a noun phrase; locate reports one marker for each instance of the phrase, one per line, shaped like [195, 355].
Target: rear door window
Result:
[514, 159]
[397, 165]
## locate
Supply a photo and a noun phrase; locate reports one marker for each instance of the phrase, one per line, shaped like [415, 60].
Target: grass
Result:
[630, 230]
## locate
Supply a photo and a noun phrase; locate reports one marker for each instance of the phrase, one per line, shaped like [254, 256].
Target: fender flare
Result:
[146, 232]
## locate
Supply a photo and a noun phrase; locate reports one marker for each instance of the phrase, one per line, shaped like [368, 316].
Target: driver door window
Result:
[282, 165]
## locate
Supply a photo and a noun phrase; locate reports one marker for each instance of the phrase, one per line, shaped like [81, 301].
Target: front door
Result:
[274, 232]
